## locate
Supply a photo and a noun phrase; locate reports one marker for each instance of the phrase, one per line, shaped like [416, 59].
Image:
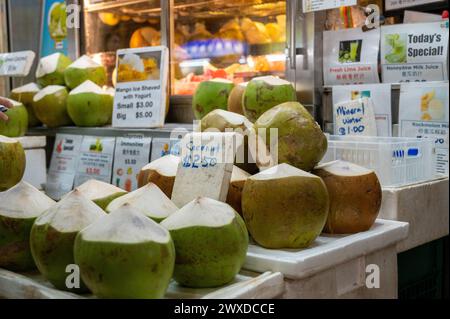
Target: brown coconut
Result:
[160, 172]
[237, 182]
[235, 99]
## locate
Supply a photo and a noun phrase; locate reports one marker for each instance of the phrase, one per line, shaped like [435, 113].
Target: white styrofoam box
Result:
[246, 285]
[396, 160]
[32, 141]
[36, 168]
[340, 259]
[423, 205]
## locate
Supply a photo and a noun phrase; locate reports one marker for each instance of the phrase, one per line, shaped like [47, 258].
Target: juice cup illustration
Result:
[57, 26]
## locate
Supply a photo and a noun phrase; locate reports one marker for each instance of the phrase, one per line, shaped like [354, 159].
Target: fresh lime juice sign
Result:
[414, 52]
[54, 28]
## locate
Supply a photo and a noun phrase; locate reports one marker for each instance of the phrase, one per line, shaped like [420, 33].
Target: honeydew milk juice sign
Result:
[141, 87]
[414, 52]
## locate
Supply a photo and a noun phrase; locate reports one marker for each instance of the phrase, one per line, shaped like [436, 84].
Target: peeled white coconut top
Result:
[14, 102]
[202, 211]
[281, 171]
[166, 165]
[272, 80]
[110, 91]
[238, 174]
[234, 119]
[47, 65]
[84, 62]
[125, 225]
[48, 90]
[94, 189]
[71, 214]
[221, 80]
[30, 87]
[88, 87]
[343, 168]
[149, 200]
[134, 60]
[23, 201]
[8, 140]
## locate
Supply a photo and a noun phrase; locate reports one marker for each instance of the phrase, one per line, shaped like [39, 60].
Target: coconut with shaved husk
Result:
[263, 93]
[19, 207]
[90, 105]
[237, 182]
[355, 196]
[161, 172]
[50, 70]
[17, 122]
[235, 98]
[83, 69]
[100, 192]
[148, 200]
[210, 241]
[125, 255]
[211, 95]
[53, 235]
[25, 94]
[12, 162]
[284, 207]
[49, 105]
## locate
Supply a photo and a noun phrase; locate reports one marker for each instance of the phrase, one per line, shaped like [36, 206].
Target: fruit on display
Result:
[53, 235]
[83, 69]
[200, 33]
[231, 31]
[90, 105]
[235, 98]
[100, 192]
[109, 18]
[145, 37]
[301, 142]
[12, 162]
[211, 95]
[275, 32]
[19, 207]
[148, 200]
[255, 32]
[237, 182]
[134, 68]
[24, 94]
[17, 122]
[210, 240]
[50, 70]
[125, 255]
[285, 207]
[161, 172]
[263, 93]
[355, 196]
[49, 105]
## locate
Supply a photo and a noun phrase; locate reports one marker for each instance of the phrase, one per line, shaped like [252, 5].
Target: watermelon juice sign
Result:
[414, 52]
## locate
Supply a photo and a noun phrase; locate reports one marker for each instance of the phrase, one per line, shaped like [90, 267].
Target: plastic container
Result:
[396, 160]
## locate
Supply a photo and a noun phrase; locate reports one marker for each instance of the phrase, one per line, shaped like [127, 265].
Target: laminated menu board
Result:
[414, 52]
[424, 113]
[350, 56]
[16, 63]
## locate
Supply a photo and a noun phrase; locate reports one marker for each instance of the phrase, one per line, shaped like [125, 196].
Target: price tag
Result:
[96, 159]
[63, 165]
[400, 4]
[141, 89]
[355, 117]
[130, 155]
[16, 63]
[205, 167]
[318, 5]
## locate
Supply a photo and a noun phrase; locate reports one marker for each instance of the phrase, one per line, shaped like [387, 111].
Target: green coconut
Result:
[263, 93]
[83, 69]
[49, 105]
[210, 240]
[211, 95]
[125, 255]
[50, 70]
[89, 105]
[19, 207]
[284, 207]
[148, 200]
[100, 192]
[17, 122]
[25, 94]
[53, 234]
[301, 142]
[12, 162]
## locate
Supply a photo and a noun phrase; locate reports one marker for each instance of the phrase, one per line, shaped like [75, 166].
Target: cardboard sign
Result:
[16, 63]
[424, 113]
[130, 155]
[414, 52]
[350, 56]
[63, 165]
[141, 89]
[318, 5]
[380, 94]
[96, 159]
[355, 117]
[400, 4]
[205, 167]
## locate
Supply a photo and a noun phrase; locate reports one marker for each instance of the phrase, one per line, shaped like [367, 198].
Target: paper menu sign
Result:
[355, 117]
[16, 63]
[424, 113]
[414, 52]
[318, 5]
[350, 56]
[141, 89]
[63, 165]
[399, 4]
[380, 94]
[130, 155]
[95, 159]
